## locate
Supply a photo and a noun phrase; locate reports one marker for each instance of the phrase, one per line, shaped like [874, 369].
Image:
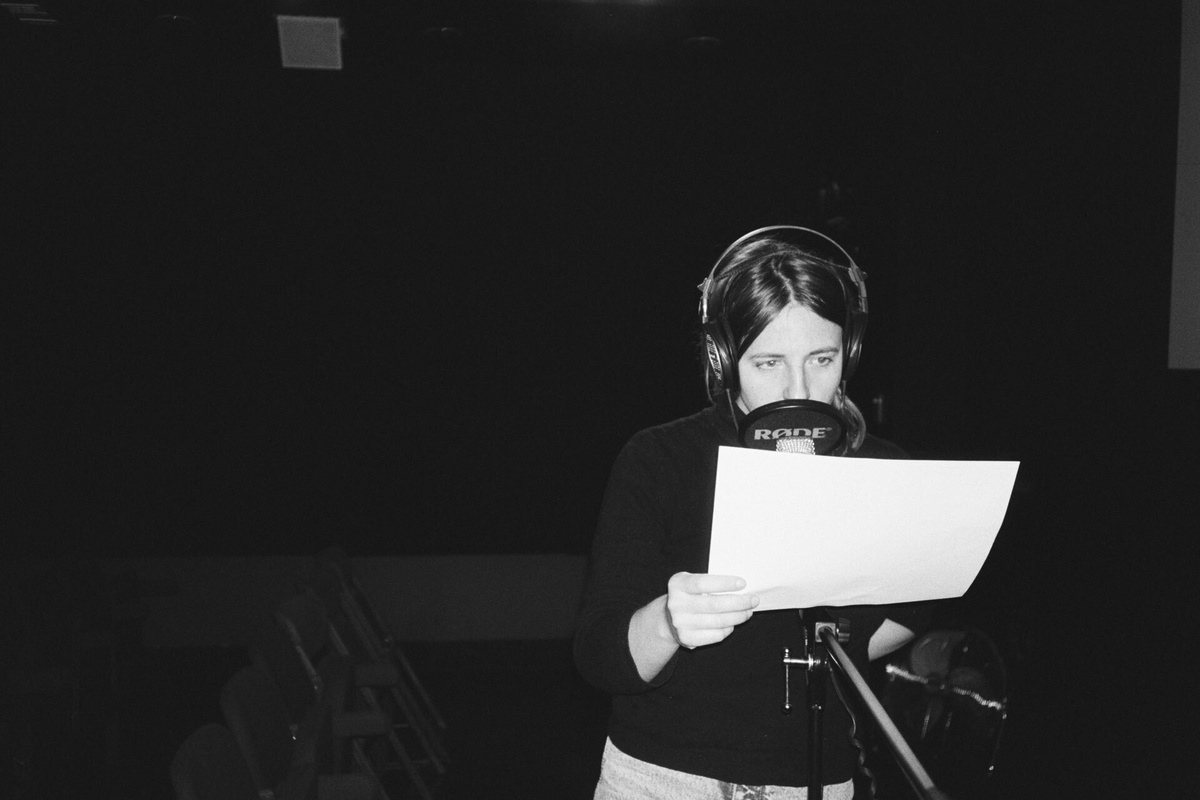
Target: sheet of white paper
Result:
[810, 531]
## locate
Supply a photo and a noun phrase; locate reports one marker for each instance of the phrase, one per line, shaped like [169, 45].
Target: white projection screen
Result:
[1184, 346]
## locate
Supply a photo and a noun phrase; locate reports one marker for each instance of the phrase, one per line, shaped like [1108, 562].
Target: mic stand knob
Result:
[810, 662]
[815, 659]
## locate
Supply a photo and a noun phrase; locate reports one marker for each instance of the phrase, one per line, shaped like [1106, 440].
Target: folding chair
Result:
[349, 635]
[306, 624]
[315, 701]
[373, 632]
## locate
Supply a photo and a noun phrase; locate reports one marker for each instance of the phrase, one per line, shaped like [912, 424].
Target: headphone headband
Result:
[818, 247]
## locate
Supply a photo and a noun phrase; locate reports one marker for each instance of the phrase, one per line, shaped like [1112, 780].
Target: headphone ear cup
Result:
[720, 360]
[715, 364]
[858, 323]
[714, 361]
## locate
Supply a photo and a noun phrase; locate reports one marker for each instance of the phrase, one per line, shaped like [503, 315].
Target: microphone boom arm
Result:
[924, 786]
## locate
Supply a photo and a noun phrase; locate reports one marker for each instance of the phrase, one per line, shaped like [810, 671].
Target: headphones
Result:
[818, 248]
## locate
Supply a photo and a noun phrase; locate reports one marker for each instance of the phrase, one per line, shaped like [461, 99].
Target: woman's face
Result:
[798, 356]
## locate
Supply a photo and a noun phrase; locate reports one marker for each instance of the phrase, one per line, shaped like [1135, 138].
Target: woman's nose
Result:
[797, 386]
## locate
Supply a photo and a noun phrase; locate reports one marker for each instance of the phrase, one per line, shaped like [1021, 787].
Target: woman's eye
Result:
[770, 363]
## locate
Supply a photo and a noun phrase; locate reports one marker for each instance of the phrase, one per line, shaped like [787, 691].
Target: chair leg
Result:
[385, 648]
[398, 748]
[429, 741]
[365, 764]
[426, 700]
[416, 709]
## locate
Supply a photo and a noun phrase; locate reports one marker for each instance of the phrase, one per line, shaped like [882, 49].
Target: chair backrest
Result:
[346, 630]
[302, 617]
[261, 726]
[325, 579]
[209, 766]
[306, 622]
[272, 652]
[359, 611]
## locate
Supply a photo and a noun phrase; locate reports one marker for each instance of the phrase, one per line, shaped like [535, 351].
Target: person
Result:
[696, 676]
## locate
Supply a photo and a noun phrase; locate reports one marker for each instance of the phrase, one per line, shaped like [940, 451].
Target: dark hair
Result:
[767, 277]
[762, 278]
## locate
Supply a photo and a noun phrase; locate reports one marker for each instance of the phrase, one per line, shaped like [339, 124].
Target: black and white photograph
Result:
[599, 399]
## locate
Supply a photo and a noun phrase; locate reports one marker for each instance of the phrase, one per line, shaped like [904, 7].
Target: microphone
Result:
[794, 426]
[796, 444]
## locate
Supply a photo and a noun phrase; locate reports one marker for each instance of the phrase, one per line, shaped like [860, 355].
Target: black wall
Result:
[415, 306]
[418, 304]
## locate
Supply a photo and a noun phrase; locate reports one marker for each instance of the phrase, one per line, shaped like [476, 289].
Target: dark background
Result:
[416, 306]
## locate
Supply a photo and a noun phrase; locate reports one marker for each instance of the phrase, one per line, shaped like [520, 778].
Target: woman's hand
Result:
[699, 613]
[688, 615]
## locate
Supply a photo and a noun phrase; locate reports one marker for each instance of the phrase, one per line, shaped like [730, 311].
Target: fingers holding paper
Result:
[701, 609]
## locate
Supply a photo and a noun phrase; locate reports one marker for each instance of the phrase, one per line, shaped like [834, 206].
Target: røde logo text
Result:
[779, 433]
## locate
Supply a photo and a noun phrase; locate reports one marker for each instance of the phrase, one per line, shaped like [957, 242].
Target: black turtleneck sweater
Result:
[714, 711]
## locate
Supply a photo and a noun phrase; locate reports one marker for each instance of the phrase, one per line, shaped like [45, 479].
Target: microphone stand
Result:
[816, 664]
[822, 643]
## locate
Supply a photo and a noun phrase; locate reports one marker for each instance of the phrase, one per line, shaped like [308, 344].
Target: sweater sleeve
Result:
[628, 568]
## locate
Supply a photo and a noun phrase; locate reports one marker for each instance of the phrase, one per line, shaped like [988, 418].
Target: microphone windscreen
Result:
[769, 427]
